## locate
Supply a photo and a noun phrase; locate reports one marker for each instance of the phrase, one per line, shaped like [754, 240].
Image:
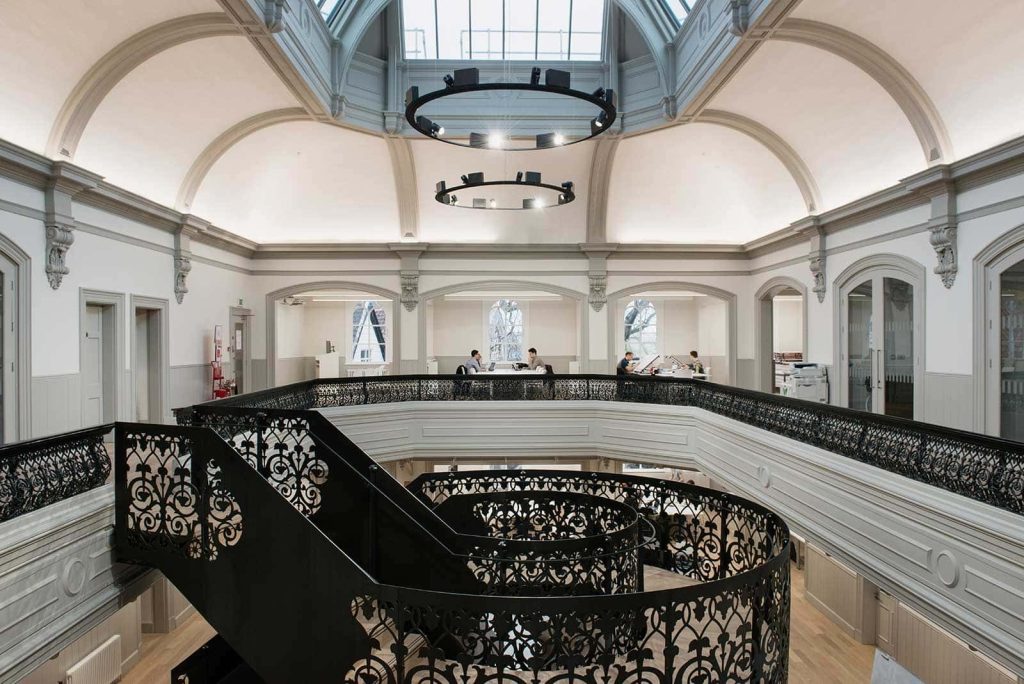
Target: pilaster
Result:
[938, 187]
[812, 229]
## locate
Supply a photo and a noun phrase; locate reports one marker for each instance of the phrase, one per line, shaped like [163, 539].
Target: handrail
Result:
[980, 467]
[190, 507]
[38, 472]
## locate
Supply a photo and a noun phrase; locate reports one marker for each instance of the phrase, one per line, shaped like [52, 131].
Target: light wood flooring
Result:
[820, 652]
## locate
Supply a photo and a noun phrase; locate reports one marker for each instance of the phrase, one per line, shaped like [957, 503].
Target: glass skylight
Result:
[680, 9]
[557, 30]
[326, 7]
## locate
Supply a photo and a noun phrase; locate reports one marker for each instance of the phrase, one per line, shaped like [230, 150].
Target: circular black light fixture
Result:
[556, 82]
[529, 190]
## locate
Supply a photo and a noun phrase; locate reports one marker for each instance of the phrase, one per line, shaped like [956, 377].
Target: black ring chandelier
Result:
[558, 195]
[556, 82]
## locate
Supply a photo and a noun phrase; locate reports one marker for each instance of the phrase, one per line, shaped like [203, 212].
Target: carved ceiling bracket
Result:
[937, 186]
[740, 20]
[191, 226]
[273, 13]
[815, 233]
[65, 182]
[598, 274]
[409, 272]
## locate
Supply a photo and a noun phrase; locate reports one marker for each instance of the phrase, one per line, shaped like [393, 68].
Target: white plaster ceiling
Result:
[850, 132]
[698, 183]
[159, 118]
[967, 55]
[438, 223]
[46, 46]
[304, 182]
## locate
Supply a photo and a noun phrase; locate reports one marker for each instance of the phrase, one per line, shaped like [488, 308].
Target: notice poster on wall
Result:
[218, 342]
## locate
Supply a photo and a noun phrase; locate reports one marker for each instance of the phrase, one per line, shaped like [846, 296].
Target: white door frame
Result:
[764, 325]
[163, 360]
[989, 264]
[18, 399]
[878, 266]
[246, 316]
[88, 297]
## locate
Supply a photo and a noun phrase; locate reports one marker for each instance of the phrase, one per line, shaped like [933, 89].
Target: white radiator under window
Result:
[102, 666]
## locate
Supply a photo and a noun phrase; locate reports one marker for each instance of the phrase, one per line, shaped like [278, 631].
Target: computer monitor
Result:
[490, 368]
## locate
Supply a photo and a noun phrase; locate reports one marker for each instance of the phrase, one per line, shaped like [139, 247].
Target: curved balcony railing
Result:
[983, 468]
[719, 611]
[39, 472]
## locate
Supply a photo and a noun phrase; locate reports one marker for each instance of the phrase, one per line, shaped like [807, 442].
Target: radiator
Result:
[102, 666]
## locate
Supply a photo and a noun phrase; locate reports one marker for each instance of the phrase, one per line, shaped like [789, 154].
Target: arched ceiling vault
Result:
[897, 81]
[105, 74]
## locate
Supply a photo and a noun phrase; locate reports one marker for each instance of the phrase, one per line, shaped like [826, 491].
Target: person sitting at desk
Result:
[695, 363]
[473, 365]
[625, 365]
[535, 361]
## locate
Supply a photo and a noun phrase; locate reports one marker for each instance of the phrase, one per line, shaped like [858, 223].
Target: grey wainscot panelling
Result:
[190, 384]
[56, 404]
[949, 400]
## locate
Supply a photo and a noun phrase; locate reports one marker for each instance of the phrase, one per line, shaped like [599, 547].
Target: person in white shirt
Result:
[535, 361]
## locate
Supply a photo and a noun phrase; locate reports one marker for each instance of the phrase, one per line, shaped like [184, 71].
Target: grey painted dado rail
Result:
[39, 472]
[986, 469]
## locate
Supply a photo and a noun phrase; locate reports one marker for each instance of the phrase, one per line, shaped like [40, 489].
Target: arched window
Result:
[505, 331]
[641, 327]
[369, 333]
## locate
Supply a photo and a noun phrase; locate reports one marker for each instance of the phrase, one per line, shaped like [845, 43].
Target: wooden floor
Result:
[820, 652]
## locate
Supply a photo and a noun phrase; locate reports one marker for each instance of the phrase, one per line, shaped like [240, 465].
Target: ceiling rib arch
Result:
[225, 141]
[101, 78]
[785, 153]
[904, 89]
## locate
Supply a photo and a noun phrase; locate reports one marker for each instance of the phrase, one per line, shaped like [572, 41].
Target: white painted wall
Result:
[787, 325]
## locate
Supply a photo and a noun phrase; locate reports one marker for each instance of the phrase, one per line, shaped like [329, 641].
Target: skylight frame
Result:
[472, 35]
[678, 10]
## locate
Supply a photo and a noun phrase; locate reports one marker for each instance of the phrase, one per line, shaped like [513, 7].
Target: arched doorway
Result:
[360, 321]
[687, 317]
[879, 316]
[780, 325]
[999, 336]
[15, 346]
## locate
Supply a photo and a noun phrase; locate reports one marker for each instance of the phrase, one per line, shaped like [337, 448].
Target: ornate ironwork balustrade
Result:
[188, 504]
[983, 468]
[39, 472]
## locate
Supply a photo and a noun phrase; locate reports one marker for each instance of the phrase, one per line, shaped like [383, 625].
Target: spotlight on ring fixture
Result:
[428, 125]
[495, 141]
[535, 76]
[533, 203]
[547, 140]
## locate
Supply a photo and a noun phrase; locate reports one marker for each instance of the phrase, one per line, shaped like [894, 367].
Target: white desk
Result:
[513, 371]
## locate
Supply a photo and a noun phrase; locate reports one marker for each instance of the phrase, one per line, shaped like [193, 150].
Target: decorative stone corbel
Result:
[936, 184]
[338, 105]
[410, 290]
[669, 108]
[598, 291]
[65, 182]
[273, 15]
[409, 272]
[190, 227]
[59, 239]
[815, 233]
[740, 20]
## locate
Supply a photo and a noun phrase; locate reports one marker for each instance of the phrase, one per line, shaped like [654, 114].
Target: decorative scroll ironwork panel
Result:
[40, 472]
[176, 503]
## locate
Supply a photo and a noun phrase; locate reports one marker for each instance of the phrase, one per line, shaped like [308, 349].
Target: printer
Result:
[807, 381]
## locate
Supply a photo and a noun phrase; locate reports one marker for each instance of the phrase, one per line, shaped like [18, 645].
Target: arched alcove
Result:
[728, 299]
[499, 288]
[319, 286]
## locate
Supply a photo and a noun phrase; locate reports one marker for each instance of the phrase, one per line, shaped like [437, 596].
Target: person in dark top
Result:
[695, 363]
[625, 365]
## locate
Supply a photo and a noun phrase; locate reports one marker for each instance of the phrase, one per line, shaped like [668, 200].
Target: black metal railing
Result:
[983, 468]
[39, 472]
[240, 549]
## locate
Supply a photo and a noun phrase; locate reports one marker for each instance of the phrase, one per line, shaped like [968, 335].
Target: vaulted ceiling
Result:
[170, 100]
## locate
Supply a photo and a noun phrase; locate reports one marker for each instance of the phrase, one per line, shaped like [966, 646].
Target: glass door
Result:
[880, 346]
[1008, 376]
